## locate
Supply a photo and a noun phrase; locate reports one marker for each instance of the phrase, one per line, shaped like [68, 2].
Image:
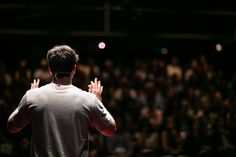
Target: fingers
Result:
[95, 83]
[95, 80]
[95, 86]
[35, 84]
[101, 89]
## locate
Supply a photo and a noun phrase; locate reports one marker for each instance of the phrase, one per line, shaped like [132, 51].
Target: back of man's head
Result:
[61, 59]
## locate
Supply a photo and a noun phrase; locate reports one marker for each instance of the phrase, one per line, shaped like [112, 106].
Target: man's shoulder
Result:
[37, 92]
[84, 93]
[85, 96]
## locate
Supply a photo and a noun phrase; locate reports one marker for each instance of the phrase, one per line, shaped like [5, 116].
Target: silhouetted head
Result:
[62, 59]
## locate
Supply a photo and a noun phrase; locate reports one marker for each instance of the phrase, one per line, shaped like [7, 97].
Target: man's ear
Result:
[73, 70]
[50, 71]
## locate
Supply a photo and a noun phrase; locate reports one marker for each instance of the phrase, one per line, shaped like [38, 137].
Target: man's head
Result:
[62, 59]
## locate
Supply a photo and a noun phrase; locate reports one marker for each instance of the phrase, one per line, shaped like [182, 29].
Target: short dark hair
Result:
[61, 59]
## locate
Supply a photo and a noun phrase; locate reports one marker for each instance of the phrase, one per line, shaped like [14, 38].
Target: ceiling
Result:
[120, 18]
[34, 26]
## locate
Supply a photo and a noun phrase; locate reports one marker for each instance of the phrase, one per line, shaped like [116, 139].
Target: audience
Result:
[163, 108]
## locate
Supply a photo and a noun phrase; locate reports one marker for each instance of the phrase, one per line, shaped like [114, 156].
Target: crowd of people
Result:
[162, 108]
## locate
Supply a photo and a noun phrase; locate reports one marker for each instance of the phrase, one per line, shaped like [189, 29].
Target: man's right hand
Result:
[96, 88]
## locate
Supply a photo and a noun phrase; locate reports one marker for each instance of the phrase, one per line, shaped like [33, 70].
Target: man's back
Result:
[60, 119]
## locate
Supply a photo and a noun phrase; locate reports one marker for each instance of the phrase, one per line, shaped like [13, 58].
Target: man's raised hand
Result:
[96, 88]
[35, 84]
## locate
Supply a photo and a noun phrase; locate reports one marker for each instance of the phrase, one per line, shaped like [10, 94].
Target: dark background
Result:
[134, 28]
[131, 29]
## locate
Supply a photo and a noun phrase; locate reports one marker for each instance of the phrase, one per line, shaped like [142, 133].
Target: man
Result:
[61, 114]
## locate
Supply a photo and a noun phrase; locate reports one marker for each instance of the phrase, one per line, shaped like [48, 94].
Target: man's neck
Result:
[62, 81]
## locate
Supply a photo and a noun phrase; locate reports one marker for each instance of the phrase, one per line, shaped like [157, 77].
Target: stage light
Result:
[218, 47]
[101, 45]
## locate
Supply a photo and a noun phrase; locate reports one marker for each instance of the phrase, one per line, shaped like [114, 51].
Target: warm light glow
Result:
[218, 47]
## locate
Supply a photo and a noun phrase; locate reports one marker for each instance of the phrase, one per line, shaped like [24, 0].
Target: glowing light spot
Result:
[218, 47]
[164, 51]
[101, 45]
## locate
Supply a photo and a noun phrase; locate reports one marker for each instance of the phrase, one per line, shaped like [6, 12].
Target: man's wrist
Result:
[99, 97]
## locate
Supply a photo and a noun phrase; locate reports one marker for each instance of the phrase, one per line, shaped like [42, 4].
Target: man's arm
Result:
[102, 120]
[20, 116]
[110, 129]
[11, 126]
